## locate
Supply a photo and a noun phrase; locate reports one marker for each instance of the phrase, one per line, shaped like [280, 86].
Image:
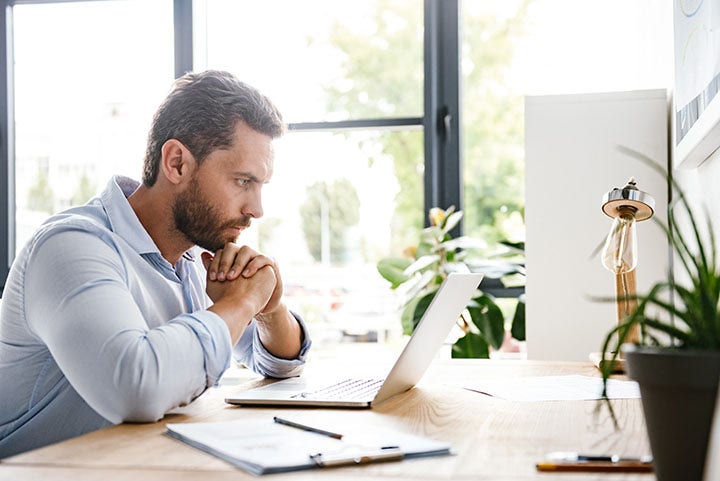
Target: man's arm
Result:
[80, 305]
[231, 272]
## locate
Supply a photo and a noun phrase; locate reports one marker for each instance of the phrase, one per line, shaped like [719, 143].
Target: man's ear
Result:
[176, 163]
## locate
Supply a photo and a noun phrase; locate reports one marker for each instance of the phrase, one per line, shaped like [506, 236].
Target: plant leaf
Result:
[406, 318]
[451, 221]
[464, 242]
[392, 269]
[517, 329]
[471, 345]
[418, 284]
[420, 308]
[488, 318]
[421, 263]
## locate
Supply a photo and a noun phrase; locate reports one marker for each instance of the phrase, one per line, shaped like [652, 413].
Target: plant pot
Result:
[678, 390]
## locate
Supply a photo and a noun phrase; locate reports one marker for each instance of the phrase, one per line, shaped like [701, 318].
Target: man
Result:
[107, 315]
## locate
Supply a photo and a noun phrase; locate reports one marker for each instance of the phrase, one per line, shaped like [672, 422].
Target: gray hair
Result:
[202, 111]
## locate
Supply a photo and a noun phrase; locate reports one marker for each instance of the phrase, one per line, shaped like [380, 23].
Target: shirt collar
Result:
[121, 215]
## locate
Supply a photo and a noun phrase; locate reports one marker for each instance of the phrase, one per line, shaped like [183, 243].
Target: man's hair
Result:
[202, 111]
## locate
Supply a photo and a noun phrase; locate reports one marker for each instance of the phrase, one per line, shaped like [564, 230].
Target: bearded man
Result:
[134, 304]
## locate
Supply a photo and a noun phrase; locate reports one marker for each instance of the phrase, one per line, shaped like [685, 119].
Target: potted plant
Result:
[420, 273]
[677, 361]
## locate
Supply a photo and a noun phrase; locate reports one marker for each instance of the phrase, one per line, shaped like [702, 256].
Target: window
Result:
[347, 188]
[542, 47]
[84, 97]
[394, 106]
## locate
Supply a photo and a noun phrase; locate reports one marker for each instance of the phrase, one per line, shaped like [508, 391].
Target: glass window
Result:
[515, 48]
[88, 77]
[339, 201]
[320, 60]
[328, 219]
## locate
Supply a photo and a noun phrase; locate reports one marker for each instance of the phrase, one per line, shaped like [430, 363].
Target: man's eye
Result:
[242, 182]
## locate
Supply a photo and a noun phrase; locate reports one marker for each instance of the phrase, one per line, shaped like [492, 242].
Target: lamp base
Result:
[618, 364]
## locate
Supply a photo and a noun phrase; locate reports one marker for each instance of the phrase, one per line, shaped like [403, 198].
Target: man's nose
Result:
[253, 206]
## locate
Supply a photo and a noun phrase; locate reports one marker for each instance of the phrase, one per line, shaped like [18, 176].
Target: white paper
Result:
[261, 446]
[555, 388]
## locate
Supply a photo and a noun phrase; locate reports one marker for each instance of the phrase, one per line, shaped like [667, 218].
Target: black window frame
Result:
[440, 123]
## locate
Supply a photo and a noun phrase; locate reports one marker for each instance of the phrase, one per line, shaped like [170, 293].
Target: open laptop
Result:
[429, 335]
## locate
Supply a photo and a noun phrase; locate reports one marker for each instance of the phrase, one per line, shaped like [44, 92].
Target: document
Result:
[263, 446]
[555, 388]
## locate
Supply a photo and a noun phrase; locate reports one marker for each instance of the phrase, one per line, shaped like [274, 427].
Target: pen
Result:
[570, 461]
[597, 466]
[563, 456]
[304, 427]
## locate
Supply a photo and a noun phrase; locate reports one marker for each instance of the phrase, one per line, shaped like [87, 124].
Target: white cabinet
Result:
[571, 161]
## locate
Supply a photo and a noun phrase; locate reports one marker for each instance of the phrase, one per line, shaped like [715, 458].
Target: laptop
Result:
[429, 335]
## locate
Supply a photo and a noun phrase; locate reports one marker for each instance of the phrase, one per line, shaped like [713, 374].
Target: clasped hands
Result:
[244, 275]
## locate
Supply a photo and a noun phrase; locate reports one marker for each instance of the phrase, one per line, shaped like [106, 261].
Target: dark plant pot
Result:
[678, 390]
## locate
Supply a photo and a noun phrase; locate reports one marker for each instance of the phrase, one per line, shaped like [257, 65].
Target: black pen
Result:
[293, 424]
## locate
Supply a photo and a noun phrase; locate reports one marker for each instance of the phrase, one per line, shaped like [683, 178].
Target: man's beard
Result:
[199, 221]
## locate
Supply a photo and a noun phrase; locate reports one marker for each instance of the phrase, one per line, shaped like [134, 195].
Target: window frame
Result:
[440, 123]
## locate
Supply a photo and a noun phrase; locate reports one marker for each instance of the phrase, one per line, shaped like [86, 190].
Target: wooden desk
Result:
[493, 439]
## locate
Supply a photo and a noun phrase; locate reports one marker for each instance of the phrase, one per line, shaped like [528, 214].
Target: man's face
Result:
[223, 195]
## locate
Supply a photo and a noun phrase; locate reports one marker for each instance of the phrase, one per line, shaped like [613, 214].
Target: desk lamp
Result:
[626, 207]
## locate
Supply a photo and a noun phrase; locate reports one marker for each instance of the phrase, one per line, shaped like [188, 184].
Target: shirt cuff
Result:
[214, 337]
[269, 365]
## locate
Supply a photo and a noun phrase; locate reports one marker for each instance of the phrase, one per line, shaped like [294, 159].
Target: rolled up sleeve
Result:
[251, 352]
[100, 339]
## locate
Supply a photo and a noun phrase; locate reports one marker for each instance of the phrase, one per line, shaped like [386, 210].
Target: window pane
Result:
[517, 48]
[330, 213]
[338, 202]
[88, 77]
[321, 60]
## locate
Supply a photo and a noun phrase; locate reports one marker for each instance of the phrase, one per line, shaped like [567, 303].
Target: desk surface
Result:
[493, 439]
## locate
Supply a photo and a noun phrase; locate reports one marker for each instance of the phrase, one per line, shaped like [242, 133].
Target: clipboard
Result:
[262, 446]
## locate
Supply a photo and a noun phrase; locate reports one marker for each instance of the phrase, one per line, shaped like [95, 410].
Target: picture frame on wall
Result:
[696, 100]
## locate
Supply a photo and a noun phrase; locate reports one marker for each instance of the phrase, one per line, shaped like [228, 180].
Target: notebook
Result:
[429, 335]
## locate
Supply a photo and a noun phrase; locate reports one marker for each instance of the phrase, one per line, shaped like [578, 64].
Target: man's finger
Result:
[206, 258]
[257, 263]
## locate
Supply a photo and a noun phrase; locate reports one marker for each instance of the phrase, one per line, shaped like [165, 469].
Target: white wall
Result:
[571, 161]
[701, 186]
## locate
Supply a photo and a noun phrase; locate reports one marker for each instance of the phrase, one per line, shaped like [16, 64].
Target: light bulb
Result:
[620, 251]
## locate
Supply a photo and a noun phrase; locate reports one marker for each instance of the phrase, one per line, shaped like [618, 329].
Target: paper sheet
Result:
[555, 388]
[261, 446]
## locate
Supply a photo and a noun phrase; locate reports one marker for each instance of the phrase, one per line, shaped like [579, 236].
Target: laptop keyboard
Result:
[348, 389]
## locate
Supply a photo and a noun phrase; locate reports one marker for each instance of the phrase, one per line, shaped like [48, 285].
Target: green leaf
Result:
[420, 308]
[464, 242]
[488, 318]
[514, 246]
[495, 269]
[451, 221]
[392, 270]
[517, 330]
[421, 264]
[427, 282]
[406, 318]
[471, 345]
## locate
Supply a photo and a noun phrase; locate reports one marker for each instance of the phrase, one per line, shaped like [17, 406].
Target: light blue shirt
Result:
[97, 328]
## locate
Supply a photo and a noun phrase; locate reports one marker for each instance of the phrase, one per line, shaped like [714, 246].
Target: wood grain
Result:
[492, 439]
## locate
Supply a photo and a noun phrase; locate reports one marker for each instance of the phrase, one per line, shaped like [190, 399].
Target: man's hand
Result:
[241, 271]
[234, 261]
